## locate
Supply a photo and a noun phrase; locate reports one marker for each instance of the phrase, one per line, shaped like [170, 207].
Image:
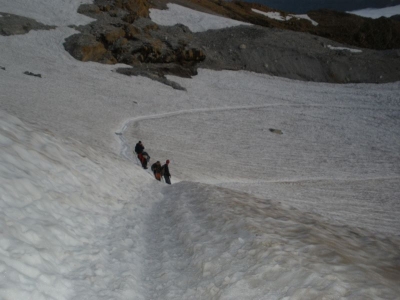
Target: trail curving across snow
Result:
[125, 150]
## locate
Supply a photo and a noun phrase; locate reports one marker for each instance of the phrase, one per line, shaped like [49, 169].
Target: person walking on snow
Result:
[139, 147]
[156, 168]
[165, 172]
[142, 156]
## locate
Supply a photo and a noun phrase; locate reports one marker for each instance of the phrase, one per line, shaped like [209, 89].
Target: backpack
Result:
[162, 171]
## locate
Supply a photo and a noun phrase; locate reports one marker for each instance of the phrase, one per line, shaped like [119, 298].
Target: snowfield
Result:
[375, 13]
[311, 213]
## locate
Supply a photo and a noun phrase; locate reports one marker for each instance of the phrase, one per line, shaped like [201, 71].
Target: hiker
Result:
[156, 168]
[139, 147]
[142, 156]
[165, 172]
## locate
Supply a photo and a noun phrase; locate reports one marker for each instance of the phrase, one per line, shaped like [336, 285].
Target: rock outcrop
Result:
[379, 34]
[295, 55]
[123, 33]
[12, 24]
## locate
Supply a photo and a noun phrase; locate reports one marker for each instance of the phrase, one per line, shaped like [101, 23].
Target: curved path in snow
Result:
[125, 149]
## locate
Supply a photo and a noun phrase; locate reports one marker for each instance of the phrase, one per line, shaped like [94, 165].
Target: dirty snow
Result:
[278, 16]
[312, 213]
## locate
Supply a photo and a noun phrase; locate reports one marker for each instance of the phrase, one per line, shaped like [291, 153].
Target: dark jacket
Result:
[139, 148]
[165, 171]
[156, 168]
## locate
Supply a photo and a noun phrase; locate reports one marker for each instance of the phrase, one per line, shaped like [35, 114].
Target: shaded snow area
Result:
[277, 16]
[227, 245]
[70, 219]
[312, 213]
[375, 13]
[196, 21]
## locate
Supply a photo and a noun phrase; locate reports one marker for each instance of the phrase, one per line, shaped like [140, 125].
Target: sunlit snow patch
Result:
[344, 49]
[277, 16]
[375, 13]
[195, 20]
[272, 14]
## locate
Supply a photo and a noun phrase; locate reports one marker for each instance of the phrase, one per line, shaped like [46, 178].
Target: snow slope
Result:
[375, 13]
[81, 220]
[79, 224]
[70, 218]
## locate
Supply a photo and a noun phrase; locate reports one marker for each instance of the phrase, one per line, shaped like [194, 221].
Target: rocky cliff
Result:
[297, 49]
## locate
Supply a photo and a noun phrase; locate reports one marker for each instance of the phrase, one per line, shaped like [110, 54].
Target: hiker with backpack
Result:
[143, 157]
[165, 172]
[156, 168]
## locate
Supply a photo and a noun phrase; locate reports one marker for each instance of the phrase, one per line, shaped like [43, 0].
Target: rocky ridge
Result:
[123, 33]
[296, 49]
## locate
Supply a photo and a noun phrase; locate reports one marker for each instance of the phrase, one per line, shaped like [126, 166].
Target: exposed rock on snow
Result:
[293, 55]
[85, 47]
[12, 24]
[157, 75]
[152, 50]
[155, 51]
[277, 131]
[32, 74]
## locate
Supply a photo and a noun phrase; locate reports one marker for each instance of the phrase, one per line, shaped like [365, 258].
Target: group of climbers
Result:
[158, 169]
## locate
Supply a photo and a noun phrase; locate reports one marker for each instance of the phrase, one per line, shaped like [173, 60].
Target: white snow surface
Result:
[278, 16]
[195, 20]
[375, 13]
[309, 214]
[344, 48]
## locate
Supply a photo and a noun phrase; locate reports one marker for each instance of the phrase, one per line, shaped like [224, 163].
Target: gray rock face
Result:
[12, 24]
[85, 47]
[294, 55]
[120, 36]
